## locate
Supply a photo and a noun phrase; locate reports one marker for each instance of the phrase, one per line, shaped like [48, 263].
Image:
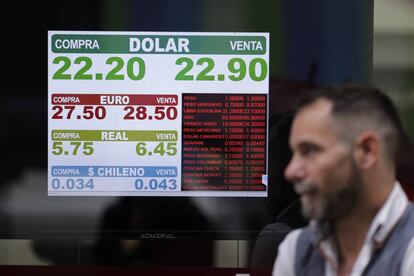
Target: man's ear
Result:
[367, 149]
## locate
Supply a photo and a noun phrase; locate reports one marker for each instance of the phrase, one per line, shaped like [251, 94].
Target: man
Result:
[344, 142]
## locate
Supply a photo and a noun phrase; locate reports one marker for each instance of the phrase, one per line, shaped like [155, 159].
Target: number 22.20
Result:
[135, 68]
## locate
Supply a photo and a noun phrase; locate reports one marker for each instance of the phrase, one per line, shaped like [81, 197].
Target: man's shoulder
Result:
[410, 215]
[294, 234]
[285, 261]
[289, 243]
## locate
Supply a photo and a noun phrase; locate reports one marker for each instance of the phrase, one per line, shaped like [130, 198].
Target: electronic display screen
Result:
[157, 114]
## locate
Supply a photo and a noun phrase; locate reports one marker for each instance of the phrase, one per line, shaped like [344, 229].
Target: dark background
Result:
[313, 43]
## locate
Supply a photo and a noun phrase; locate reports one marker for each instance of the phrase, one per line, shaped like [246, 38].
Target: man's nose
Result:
[295, 170]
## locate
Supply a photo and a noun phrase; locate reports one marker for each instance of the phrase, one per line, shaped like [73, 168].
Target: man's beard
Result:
[331, 204]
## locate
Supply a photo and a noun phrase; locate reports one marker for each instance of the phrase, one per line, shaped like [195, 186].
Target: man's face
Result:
[322, 168]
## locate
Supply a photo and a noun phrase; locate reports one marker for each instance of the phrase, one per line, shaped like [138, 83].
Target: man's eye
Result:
[308, 151]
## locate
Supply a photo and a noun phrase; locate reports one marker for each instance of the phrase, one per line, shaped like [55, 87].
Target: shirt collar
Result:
[388, 216]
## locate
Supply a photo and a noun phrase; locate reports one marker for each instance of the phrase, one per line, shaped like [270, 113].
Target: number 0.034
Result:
[72, 184]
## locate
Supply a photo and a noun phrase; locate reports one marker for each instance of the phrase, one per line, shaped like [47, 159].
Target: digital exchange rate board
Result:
[157, 114]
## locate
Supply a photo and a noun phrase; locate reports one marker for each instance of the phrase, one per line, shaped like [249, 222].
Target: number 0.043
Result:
[135, 69]
[155, 184]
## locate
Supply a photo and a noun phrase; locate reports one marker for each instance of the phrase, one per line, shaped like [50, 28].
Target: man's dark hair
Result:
[358, 108]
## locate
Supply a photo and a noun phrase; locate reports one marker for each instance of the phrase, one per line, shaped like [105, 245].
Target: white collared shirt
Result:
[381, 226]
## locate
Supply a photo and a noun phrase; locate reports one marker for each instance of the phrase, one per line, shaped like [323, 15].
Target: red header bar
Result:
[113, 99]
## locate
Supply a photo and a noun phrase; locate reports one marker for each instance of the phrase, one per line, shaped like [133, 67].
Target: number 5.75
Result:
[72, 149]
